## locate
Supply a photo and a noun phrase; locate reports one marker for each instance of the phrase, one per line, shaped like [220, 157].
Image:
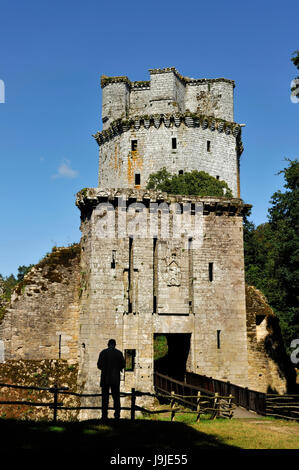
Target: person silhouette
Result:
[111, 362]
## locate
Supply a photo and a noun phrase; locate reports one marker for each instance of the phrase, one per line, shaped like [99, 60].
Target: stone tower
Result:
[181, 123]
[153, 263]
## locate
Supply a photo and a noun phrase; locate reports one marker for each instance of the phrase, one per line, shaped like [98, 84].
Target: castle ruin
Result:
[150, 263]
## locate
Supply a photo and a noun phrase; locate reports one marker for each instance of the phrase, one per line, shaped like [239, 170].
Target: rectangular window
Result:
[173, 143]
[113, 259]
[217, 177]
[218, 339]
[210, 272]
[59, 347]
[130, 359]
[208, 145]
[181, 172]
[137, 179]
[133, 145]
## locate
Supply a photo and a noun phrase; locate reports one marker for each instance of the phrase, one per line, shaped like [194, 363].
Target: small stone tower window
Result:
[208, 145]
[130, 359]
[217, 177]
[218, 339]
[133, 145]
[113, 259]
[173, 143]
[210, 272]
[181, 172]
[137, 179]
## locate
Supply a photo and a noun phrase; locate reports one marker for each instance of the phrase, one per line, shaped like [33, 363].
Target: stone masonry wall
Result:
[41, 321]
[123, 277]
[197, 112]
[166, 92]
[118, 164]
[269, 367]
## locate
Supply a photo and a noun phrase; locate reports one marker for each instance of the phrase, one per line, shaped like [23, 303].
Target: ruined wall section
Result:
[269, 367]
[41, 321]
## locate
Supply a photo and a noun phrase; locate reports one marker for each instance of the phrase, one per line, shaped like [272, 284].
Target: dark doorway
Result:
[171, 353]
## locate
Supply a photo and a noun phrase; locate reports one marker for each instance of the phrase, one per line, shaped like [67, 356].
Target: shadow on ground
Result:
[92, 434]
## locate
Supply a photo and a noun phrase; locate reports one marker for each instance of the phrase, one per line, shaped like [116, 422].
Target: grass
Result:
[151, 434]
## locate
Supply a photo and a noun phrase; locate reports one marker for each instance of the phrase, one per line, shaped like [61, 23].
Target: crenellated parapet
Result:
[105, 80]
[170, 120]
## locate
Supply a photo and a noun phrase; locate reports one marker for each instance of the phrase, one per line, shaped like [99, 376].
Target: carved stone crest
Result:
[173, 272]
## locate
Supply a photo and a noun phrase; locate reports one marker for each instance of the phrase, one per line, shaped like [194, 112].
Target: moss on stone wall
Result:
[45, 373]
[51, 265]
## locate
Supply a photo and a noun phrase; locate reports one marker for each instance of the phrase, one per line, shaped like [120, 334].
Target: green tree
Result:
[22, 271]
[197, 183]
[8, 283]
[295, 61]
[272, 254]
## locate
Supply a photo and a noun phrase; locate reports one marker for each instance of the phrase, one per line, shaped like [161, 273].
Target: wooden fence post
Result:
[198, 407]
[133, 401]
[247, 398]
[172, 402]
[55, 396]
[215, 405]
[230, 407]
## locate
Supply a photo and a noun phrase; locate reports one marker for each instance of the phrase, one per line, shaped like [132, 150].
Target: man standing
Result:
[111, 362]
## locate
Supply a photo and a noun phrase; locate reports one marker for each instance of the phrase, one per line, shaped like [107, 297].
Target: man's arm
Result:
[100, 361]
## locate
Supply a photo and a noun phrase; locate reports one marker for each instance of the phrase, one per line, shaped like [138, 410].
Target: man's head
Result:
[111, 343]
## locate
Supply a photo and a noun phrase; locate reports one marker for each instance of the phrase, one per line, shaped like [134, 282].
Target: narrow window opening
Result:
[218, 339]
[210, 272]
[133, 145]
[59, 347]
[181, 172]
[130, 305]
[217, 177]
[130, 359]
[113, 259]
[155, 275]
[208, 145]
[173, 143]
[137, 179]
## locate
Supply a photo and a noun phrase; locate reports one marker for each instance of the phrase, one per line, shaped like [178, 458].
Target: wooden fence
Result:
[243, 396]
[196, 398]
[283, 406]
[196, 401]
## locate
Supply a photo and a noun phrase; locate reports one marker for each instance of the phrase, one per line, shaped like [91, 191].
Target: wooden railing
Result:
[196, 398]
[243, 396]
[190, 397]
[283, 406]
[56, 405]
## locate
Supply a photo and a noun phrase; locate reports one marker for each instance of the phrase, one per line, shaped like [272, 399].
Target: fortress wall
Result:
[42, 319]
[213, 98]
[118, 163]
[186, 300]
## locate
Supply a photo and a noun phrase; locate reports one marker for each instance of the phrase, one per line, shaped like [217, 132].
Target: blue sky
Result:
[52, 56]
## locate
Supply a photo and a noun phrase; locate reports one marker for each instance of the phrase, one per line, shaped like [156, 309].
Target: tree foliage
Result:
[197, 183]
[295, 59]
[272, 253]
[8, 283]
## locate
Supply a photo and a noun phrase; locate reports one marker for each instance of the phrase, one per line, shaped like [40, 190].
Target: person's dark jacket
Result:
[111, 362]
